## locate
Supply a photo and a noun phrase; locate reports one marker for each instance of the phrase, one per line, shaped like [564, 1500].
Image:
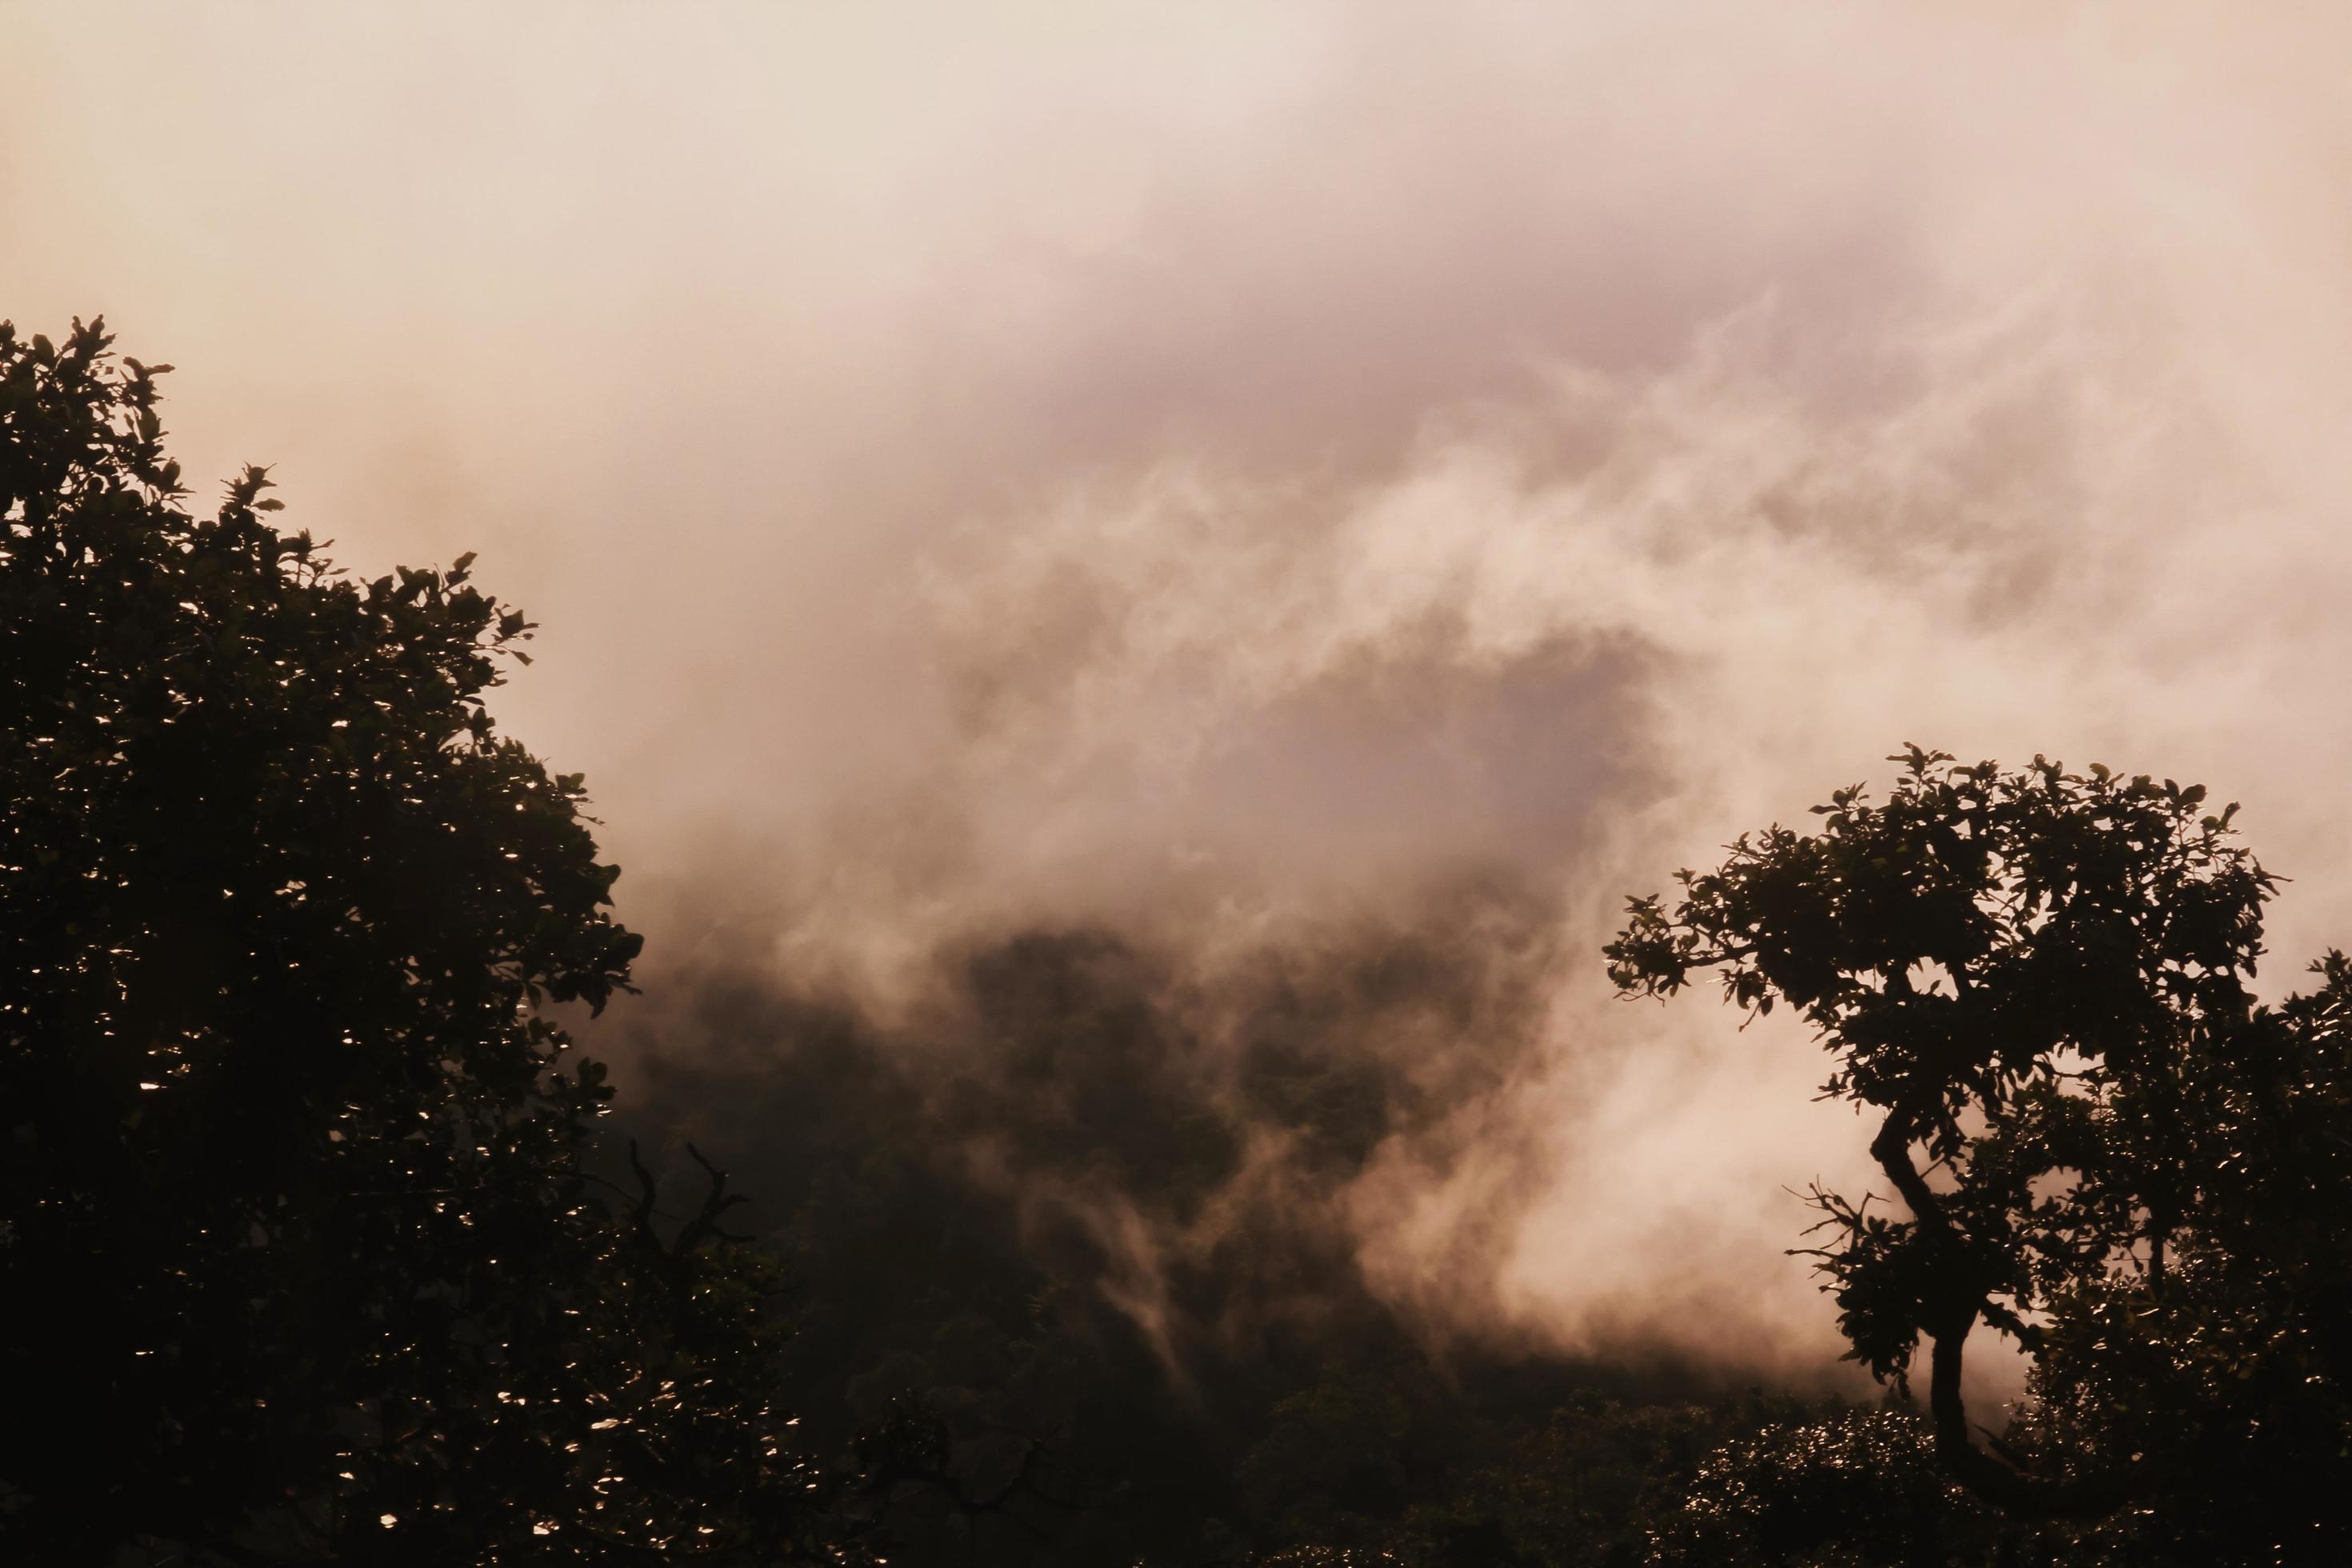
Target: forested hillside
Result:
[349, 1255]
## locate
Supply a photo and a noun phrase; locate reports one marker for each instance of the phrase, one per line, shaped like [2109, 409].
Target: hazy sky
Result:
[1208, 468]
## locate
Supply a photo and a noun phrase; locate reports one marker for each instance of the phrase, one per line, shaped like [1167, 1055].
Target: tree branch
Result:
[2028, 1335]
[647, 1193]
[715, 1204]
[2015, 1491]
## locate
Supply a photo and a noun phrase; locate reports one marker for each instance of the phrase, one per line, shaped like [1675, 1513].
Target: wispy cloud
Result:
[1214, 477]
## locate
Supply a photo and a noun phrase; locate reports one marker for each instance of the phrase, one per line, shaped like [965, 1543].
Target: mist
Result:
[1312, 509]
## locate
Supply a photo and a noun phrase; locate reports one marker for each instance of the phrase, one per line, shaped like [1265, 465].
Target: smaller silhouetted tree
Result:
[2106, 1149]
[293, 1220]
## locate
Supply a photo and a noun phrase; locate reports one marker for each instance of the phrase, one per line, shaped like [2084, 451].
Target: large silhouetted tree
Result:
[294, 1228]
[2037, 984]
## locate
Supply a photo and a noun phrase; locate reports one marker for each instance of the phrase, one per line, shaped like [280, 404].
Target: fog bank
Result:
[1237, 482]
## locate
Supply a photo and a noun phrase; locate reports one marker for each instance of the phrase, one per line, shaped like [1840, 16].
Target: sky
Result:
[1235, 474]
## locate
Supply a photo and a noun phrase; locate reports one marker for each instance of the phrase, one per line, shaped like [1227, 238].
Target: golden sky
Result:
[1205, 468]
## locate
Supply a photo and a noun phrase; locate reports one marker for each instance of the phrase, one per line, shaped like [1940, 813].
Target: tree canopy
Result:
[2106, 1148]
[291, 1188]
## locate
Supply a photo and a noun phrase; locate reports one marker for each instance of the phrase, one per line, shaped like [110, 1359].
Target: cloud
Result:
[1214, 477]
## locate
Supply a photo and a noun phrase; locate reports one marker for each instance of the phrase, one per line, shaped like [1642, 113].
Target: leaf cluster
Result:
[290, 1170]
[2039, 982]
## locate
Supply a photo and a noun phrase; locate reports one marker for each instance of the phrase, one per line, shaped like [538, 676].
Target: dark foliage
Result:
[945, 1194]
[1031, 1220]
[2108, 1151]
[292, 1214]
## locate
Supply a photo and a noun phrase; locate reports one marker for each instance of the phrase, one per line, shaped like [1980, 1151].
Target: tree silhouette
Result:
[2110, 1153]
[292, 1207]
